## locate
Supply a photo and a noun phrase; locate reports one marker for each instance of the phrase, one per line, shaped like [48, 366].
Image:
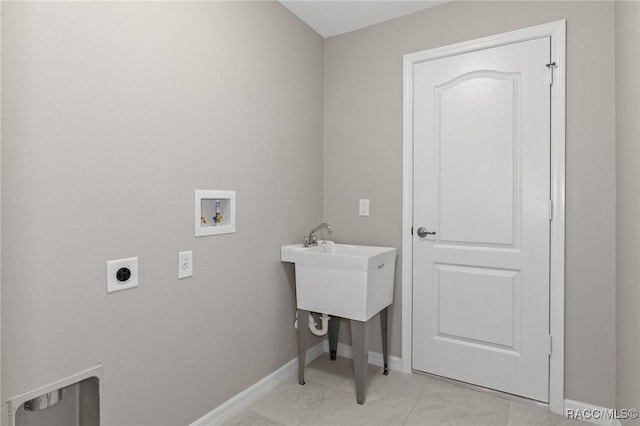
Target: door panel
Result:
[476, 304]
[476, 180]
[481, 183]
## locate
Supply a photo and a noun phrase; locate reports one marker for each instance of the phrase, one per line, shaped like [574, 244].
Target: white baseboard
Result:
[375, 358]
[244, 399]
[592, 413]
[227, 411]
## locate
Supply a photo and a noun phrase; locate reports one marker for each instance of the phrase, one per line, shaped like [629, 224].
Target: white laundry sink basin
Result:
[344, 280]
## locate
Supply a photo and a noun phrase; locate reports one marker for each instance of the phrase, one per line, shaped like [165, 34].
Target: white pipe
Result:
[324, 324]
[324, 318]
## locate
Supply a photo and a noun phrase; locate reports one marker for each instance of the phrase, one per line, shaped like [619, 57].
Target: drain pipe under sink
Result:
[324, 318]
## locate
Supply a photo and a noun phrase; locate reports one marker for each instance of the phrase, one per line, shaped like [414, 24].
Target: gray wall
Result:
[363, 156]
[1, 115]
[114, 113]
[627, 75]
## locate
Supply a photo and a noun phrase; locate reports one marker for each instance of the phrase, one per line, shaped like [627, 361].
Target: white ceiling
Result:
[333, 17]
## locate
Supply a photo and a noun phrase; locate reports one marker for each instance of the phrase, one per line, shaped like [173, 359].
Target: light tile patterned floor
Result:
[328, 398]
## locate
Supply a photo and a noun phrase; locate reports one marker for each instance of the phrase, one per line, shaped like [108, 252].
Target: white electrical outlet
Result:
[185, 264]
[122, 274]
[364, 207]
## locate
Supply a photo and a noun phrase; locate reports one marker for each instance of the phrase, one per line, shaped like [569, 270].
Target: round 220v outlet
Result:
[122, 274]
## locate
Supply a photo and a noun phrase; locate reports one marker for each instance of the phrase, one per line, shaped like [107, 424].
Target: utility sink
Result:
[344, 280]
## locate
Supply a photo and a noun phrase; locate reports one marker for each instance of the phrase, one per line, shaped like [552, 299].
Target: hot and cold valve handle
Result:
[423, 232]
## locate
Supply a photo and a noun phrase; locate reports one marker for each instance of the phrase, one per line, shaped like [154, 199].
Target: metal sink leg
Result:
[385, 339]
[360, 357]
[334, 330]
[302, 347]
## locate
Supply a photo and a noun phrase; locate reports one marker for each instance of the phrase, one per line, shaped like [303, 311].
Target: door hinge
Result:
[549, 345]
[550, 209]
[551, 66]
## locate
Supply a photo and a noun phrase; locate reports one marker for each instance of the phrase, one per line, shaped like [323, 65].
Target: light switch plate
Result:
[364, 207]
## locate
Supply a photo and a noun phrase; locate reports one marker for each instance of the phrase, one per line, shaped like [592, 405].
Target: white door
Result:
[482, 186]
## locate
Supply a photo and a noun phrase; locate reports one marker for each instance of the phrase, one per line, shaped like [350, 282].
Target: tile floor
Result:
[328, 398]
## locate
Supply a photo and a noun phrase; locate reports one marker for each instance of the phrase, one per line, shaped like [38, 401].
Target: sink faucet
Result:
[312, 239]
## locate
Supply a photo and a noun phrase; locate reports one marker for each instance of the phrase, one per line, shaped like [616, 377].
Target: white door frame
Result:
[557, 32]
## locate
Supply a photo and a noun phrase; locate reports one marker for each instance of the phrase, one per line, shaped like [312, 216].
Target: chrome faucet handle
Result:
[312, 238]
[305, 241]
